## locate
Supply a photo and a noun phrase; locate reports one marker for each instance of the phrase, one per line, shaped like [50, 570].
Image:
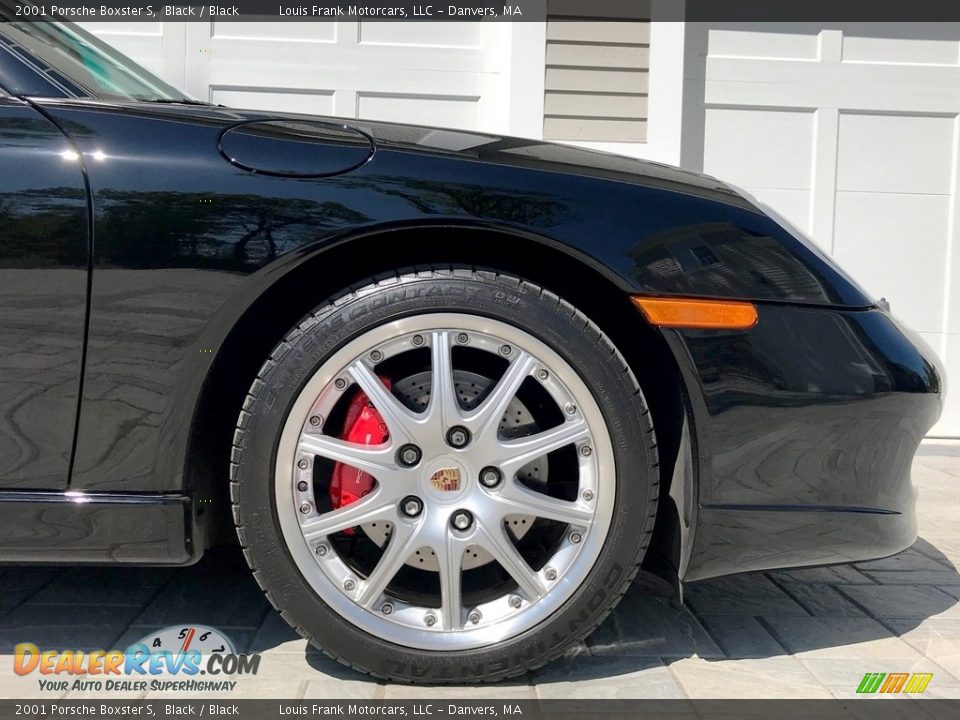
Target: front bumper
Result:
[805, 428]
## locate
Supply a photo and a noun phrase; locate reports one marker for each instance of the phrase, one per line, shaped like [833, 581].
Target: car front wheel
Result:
[445, 476]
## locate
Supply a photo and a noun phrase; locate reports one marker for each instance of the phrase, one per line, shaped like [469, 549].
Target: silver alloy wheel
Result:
[447, 482]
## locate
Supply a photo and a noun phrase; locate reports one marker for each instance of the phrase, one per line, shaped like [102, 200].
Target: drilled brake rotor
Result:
[471, 388]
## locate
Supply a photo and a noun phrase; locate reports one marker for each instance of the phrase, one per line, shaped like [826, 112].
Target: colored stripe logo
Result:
[894, 683]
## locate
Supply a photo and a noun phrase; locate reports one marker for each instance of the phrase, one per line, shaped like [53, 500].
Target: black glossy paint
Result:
[805, 423]
[43, 296]
[64, 528]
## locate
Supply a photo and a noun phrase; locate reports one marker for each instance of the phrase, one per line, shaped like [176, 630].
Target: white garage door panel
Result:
[877, 238]
[764, 40]
[318, 102]
[757, 148]
[442, 111]
[923, 43]
[450, 74]
[855, 127]
[422, 34]
[915, 155]
[287, 31]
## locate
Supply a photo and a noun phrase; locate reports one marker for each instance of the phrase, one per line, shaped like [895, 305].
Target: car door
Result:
[44, 251]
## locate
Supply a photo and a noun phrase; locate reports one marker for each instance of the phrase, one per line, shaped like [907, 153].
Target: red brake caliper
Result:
[363, 425]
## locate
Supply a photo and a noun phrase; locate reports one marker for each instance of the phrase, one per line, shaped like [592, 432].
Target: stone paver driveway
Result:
[806, 633]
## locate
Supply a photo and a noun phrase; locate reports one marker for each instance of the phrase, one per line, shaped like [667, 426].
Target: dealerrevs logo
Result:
[184, 651]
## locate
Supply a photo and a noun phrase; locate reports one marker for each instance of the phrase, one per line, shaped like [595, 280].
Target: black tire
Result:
[479, 292]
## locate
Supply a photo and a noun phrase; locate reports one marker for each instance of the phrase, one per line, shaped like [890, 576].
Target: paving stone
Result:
[596, 678]
[741, 637]
[860, 638]
[505, 691]
[276, 635]
[85, 627]
[27, 687]
[914, 577]
[644, 626]
[20, 584]
[883, 601]
[826, 575]
[776, 677]
[218, 601]
[747, 594]
[822, 600]
[909, 559]
[104, 586]
[951, 590]
[936, 638]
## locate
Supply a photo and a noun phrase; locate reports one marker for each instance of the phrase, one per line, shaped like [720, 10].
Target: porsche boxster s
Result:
[449, 391]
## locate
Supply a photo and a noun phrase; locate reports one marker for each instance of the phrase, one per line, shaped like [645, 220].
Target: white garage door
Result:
[461, 75]
[852, 134]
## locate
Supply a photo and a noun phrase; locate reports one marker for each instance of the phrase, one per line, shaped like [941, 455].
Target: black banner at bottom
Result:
[440, 709]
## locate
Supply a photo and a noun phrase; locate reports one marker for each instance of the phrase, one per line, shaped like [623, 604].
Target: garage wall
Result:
[460, 75]
[851, 133]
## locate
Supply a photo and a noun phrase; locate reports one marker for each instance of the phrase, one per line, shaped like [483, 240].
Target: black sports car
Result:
[451, 390]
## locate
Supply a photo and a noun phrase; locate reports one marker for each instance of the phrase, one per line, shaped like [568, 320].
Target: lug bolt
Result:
[411, 506]
[430, 620]
[376, 356]
[461, 519]
[305, 508]
[463, 338]
[542, 374]
[575, 538]
[505, 350]
[474, 617]
[417, 340]
[570, 408]
[339, 383]
[586, 451]
[458, 437]
[349, 584]
[409, 455]
[316, 420]
[303, 464]
[587, 495]
[550, 574]
[515, 601]
[322, 550]
[386, 609]
[302, 486]
[490, 477]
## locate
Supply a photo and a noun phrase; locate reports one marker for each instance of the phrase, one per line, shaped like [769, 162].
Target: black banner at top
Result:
[710, 11]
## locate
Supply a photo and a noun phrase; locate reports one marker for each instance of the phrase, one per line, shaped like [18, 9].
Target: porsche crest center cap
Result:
[446, 479]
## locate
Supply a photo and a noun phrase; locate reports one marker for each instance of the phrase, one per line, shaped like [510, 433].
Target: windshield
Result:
[76, 62]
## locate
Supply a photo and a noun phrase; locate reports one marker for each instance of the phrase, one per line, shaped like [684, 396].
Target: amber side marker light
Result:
[701, 314]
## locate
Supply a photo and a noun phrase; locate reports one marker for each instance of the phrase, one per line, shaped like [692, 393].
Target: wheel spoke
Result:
[514, 499]
[444, 409]
[485, 419]
[519, 452]
[496, 541]
[402, 543]
[399, 419]
[373, 459]
[371, 508]
[450, 560]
